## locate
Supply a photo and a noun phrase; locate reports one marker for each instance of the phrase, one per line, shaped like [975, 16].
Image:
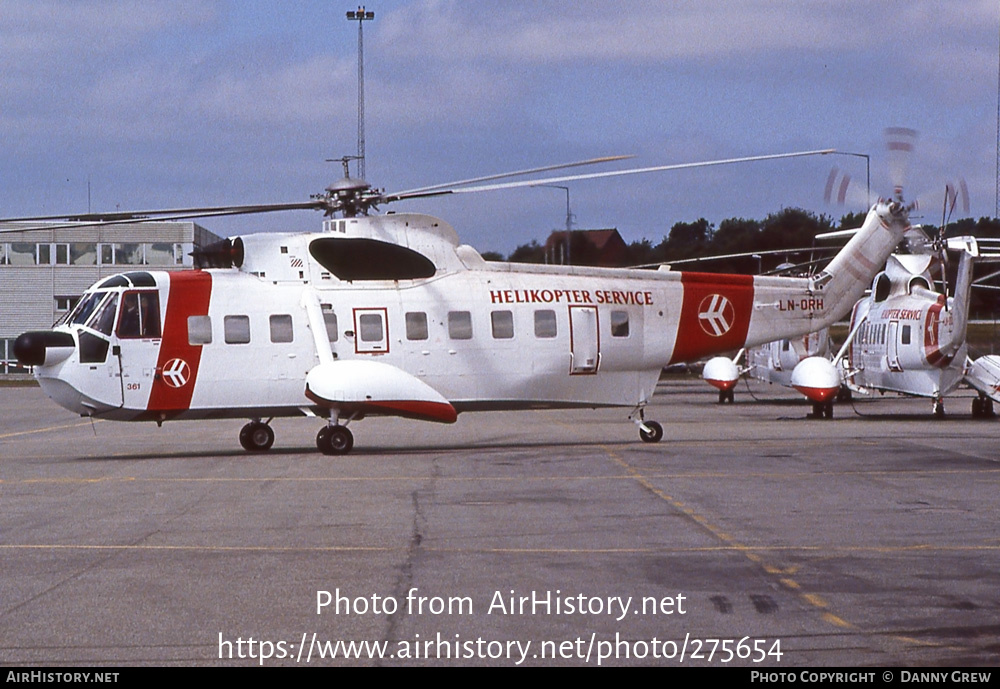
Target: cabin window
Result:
[619, 324]
[93, 349]
[370, 325]
[416, 325]
[460, 325]
[140, 315]
[503, 324]
[281, 328]
[545, 323]
[236, 329]
[904, 335]
[330, 320]
[199, 330]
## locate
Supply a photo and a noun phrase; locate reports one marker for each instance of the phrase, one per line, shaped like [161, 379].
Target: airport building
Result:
[43, 272]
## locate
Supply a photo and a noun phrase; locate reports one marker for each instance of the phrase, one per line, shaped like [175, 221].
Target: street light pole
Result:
[569, 218]
[360, 16]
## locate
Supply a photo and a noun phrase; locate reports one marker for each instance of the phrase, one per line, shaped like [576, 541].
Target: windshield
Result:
[104, 319]
[85, 307]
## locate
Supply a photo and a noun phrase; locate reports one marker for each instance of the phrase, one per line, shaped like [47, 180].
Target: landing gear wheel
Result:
[655, 434]
[977, 408]
[828, 409]
[256, 436]
[726, 396]
[939, 408]
[334, 440]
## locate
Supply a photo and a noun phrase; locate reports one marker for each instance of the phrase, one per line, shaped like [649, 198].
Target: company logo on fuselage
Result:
[176, 373]
[716, 315]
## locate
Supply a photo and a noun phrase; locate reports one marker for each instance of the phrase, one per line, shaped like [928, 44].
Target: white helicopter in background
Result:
[772, 362]
[391, 315]
[906, 336]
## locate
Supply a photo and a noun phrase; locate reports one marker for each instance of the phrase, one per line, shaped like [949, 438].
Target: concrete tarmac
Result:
[750, 536]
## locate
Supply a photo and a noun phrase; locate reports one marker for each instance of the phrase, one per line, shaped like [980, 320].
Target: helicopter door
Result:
[776, 349]
[584, 340]
[892, 346]
[371, 331]
[138, 335]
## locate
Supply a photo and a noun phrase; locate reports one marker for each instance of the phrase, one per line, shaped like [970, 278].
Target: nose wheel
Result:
[256, 436]
[334, 440]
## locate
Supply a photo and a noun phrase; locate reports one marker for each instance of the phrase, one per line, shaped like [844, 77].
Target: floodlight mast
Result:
[360, 16]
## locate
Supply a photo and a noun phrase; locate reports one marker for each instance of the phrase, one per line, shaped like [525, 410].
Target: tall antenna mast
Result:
[360, 16]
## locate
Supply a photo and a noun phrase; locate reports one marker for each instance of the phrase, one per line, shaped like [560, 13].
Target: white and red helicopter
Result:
[390, 315]
[772, 362]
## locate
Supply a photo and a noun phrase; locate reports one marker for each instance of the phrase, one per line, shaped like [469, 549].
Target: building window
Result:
[416, 325]
[460, 325]
[129, 254]
[83, 254]
[22, 254]
[64, 304]
[199, 330]
[281, 328]
[236, 329]
[503, 324]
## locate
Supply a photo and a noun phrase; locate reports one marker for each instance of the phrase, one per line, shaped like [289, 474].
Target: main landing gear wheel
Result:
[334, 440]
[655, 433]
[256, 436]
[982, 408]
[939, 408]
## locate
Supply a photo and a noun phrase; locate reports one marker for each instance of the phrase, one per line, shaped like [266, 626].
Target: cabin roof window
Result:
[370, 259]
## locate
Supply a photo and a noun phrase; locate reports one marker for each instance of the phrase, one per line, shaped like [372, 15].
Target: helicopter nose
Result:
[41, 347]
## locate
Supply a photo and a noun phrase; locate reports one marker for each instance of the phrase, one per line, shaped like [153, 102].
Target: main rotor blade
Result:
[487, 178]
[597, 175]
[125, 218]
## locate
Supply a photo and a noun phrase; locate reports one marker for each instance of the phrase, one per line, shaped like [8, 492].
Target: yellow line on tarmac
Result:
[753, 553]
[50, 428]
[749, 552]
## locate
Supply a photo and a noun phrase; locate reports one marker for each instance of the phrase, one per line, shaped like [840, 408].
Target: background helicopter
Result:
[908, 335]
[390, 315]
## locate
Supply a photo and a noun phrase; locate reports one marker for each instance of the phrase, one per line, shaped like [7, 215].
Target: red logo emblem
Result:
[176, 373]
[716, 315]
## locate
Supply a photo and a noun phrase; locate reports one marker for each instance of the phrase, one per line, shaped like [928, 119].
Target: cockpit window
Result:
[85, 307]
[140, 315]
[104, 319]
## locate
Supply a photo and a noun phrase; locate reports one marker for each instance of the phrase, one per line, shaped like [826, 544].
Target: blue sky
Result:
[178, 103]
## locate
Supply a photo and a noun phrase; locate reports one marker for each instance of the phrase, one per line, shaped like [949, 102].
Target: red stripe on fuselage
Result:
[189, 295]
[715, 315]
